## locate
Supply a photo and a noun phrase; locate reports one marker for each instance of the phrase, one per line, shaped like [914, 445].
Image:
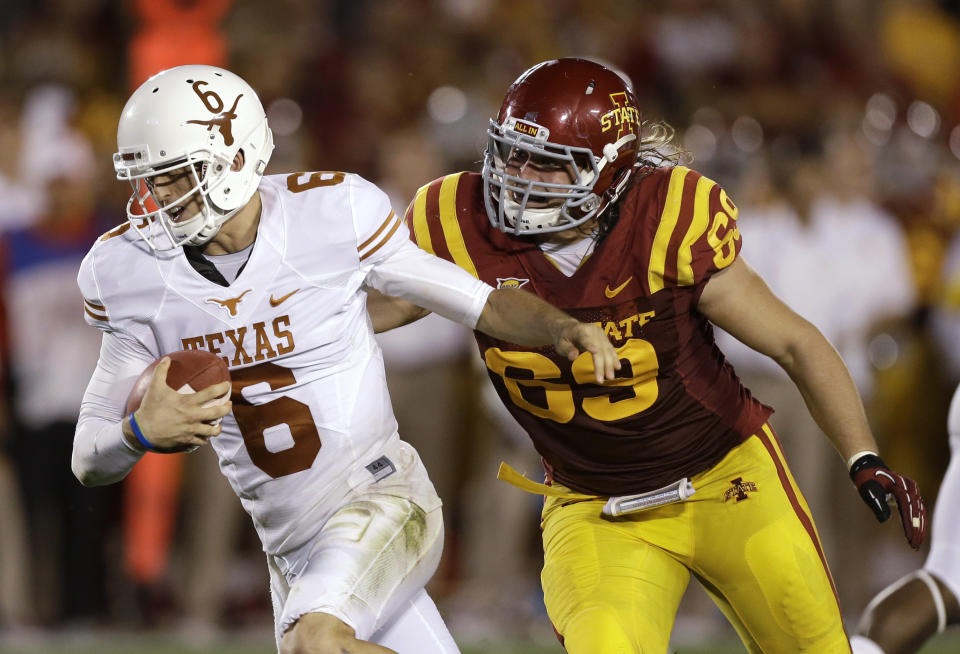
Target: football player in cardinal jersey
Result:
[671, 469]
[271, 273]
[906, 614]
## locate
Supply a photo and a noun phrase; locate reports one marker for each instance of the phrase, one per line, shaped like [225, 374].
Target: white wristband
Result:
[853, 459]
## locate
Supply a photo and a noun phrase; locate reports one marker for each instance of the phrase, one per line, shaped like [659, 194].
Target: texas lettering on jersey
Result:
[262, 343]
[676, 406]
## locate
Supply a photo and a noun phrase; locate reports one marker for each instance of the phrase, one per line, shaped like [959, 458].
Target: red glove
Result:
[879, 486]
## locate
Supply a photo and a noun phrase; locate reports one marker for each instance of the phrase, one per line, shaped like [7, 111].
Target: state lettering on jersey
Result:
[249, 343]
[618, 330]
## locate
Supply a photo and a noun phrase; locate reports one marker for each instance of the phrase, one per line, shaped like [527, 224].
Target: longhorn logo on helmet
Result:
[224, 120]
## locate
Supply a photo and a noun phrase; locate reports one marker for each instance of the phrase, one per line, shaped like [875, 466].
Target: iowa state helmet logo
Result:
[623, 116]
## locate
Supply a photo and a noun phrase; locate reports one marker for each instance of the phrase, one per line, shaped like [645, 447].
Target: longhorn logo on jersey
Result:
[230, 304]
[224, 119]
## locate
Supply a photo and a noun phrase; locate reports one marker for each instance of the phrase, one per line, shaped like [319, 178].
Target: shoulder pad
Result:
[443, 218]
[696, 234]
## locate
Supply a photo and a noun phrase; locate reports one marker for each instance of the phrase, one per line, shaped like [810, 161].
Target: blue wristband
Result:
[139, 434]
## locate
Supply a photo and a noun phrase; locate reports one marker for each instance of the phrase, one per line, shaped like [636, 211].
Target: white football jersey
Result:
[944, 557]
[311, 411]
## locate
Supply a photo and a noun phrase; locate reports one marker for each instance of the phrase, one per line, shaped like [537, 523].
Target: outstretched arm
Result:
[517, 316]
[423, 280]
[739, 301]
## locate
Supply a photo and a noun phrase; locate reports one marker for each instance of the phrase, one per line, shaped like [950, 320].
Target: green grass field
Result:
[948, 643]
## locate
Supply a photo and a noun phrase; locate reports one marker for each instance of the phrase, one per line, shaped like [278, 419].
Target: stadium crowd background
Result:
[835, 126]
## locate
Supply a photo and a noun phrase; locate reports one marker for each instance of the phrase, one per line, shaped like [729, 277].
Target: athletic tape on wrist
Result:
[853, 459]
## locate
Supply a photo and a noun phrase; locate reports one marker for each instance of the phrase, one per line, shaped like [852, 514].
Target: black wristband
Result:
[866, 461]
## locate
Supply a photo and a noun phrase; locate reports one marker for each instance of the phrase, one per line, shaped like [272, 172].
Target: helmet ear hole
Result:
[239, 160]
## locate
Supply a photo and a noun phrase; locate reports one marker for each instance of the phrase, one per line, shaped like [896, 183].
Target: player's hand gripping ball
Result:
[190, 371]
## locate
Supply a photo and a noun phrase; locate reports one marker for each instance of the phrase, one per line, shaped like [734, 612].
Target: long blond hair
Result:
[659, 148]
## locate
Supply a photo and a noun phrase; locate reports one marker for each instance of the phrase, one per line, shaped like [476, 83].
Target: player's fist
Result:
[879, 485]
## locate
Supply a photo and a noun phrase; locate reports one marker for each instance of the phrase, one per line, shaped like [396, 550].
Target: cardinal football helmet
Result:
[577, 114]
[193, 119]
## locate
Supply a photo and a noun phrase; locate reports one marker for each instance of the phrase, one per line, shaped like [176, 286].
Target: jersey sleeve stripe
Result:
[382, 226]
[383, 241]
[668, 222]
[698, 225]
[95, 316]
[451, 227]
[421, 229]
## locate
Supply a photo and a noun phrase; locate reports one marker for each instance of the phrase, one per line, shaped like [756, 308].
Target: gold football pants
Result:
[612, 585]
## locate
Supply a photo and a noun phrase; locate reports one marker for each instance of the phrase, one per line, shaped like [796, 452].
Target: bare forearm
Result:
[519, 317]
[388, 312]
[829, 392]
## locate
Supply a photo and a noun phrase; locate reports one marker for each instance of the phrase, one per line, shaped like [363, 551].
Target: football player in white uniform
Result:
[272, 273]
[906, 614]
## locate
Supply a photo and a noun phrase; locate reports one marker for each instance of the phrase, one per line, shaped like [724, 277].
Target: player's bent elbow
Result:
[801, 344]
[87, 474]
[84, 476]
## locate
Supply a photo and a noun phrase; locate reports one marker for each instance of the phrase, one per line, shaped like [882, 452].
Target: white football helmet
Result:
[191, 118]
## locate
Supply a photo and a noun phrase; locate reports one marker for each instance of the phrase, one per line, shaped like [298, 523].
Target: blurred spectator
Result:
[947, 314]
[17, 608]
[52, 353]
[21, 202]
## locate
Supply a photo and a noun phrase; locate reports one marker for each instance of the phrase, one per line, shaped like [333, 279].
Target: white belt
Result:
[616, 505]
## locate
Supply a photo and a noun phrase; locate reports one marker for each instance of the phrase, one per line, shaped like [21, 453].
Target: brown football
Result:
[190, 371]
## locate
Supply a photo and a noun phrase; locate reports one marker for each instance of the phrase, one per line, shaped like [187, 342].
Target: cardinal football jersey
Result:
[310, 404]
[676, 406]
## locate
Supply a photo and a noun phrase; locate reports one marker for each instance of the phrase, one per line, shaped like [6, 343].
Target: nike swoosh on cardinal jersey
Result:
[275, 302]
[613, 293]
